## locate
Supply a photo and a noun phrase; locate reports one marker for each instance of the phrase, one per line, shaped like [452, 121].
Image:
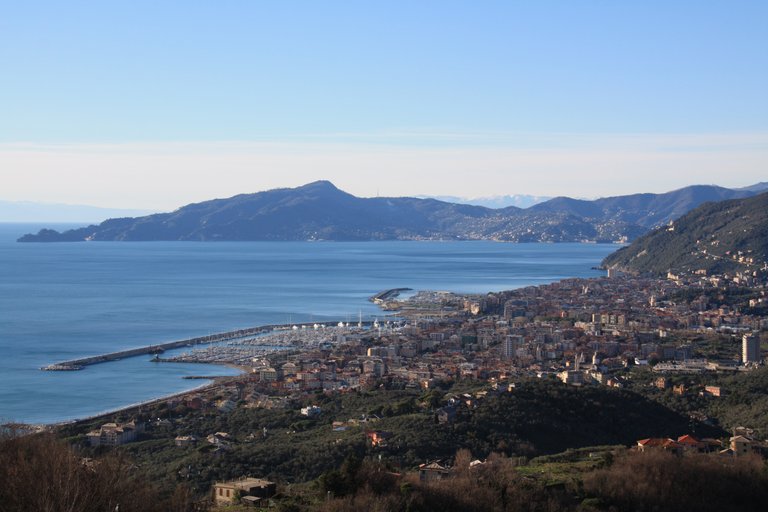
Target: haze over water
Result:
[68, 300]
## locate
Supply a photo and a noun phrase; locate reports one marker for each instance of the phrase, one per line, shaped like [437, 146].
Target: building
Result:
[690, 443]
[445, 414]
[511, 344]
[740, 445]
[247, 490]
[374, 367]
[185, 441]
[311, 411]
[268, 375]
[378, 437]
[659, 443]
[572, 377]
[713, 391]
[750, 349]
[112, 434]
[433, 471]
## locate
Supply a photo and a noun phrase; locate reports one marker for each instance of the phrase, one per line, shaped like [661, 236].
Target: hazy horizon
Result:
[23, 212]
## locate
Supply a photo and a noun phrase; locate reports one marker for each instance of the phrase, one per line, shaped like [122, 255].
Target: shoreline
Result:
[212, 381]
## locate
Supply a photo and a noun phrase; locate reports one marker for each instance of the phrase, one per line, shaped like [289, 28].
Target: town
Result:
[442, 357]
[577, 330]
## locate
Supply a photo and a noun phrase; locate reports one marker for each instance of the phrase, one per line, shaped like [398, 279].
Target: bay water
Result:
[63, 301]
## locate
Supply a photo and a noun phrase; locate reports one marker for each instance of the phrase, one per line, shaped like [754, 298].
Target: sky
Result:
[154, 105]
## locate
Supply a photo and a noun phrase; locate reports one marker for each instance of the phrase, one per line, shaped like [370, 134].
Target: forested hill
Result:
[320, 211]
[718, 237]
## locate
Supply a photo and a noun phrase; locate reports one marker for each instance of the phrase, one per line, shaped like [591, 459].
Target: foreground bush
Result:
[659, 481]
[40, 473]
[650, 482]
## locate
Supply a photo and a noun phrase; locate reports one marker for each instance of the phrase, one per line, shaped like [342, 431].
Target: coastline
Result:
[132, 314]
[211, 381]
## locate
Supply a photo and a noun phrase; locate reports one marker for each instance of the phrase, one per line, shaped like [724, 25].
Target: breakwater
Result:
[78, 364]
[388, 294]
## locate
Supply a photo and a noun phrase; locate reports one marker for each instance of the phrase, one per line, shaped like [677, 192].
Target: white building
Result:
[112, 434]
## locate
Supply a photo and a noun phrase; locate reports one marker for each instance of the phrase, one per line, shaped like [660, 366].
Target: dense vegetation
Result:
[318, 468]
[744, 402]
[538, 417]
[721, 229]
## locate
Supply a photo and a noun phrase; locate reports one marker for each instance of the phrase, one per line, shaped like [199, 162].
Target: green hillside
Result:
[539, 417]
[720, 237]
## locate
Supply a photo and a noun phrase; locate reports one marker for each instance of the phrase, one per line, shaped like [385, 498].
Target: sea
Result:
[61, 301]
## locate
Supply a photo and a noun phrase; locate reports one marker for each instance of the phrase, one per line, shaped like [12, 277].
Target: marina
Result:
[244, 345]
[250, 352]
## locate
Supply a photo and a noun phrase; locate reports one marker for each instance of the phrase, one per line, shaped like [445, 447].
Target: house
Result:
[432, 471]
[713, 391]
[185, 441]
[445, 414]
[690, 443]
[740, 445]
[246, 490]
[219, 439]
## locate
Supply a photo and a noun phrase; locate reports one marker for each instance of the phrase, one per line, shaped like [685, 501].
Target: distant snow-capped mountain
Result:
[517, 200]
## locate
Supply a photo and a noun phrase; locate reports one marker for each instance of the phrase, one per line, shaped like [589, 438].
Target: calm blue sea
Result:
[67, 300]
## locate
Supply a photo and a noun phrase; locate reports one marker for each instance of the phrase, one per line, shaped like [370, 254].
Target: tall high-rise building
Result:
[511, 344]
[750, 349]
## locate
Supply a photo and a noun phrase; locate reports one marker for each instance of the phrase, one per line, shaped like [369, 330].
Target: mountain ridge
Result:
[321, 211]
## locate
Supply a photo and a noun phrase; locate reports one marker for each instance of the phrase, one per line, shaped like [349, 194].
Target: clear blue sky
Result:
[414, 75]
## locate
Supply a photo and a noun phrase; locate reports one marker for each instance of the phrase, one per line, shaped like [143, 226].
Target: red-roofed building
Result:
[659, 443]
[688, 442]
[378, 437]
